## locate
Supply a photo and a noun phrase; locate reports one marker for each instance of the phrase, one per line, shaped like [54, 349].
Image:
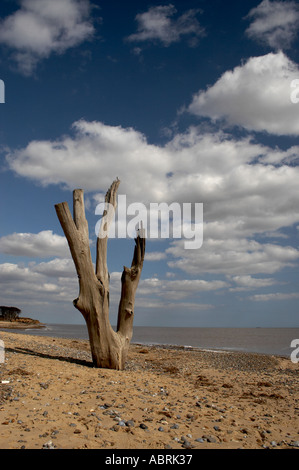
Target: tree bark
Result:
[109, 348]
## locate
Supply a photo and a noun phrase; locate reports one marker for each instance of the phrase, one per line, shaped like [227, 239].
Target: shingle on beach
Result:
[51, 396]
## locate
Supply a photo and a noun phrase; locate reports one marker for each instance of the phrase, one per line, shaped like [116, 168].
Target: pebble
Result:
[44, 385]
[130, 423]
[48, 445]
[187, 445]
[211, 439]
[294, 444]
[174, 426]
[187, 420]
[245, 431]
[191, 416]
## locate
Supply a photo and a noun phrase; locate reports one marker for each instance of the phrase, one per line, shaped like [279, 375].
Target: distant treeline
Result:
[9, 313]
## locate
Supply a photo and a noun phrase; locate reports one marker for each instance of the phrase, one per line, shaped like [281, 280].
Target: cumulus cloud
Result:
[274, 23]
[237, 256]
[159, 293]
[155, 256]
[182, 306]
[55, 281]
[193, 166]
[44, 244]
[93, 158]
[32, 288]
[242, 185]
[12, 272]
[178, 289]
[254, 95]
[274, 296]
[40, 28]
[249, 283]
[157, 24]
[56, 268]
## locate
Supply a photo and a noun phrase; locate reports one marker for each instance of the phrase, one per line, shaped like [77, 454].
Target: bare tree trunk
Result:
[109, 348]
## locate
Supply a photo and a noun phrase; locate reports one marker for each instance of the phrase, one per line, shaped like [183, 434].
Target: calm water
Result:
[260, 340]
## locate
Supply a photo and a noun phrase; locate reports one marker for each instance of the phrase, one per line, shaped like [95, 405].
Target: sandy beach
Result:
[167, 398]
[20, 325]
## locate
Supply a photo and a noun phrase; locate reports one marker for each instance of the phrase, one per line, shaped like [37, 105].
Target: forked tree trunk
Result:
[109, 348]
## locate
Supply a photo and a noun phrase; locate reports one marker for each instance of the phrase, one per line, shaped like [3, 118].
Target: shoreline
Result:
[166, 346]
[198, 349]
[19, 325]
[166, 398]
[264, 343]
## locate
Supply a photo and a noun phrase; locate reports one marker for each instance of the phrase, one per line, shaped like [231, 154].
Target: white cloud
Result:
[22, 286]
[275, 23]
[249, 283]
[274, 296]
[11, 272]
[241, 184]
[39, 284]
[202, 165]
[236, 256]
[157, 24]
[56, 281]
[158, 304]
[93, 158]
[40, 28]
[44, 244]
[178, 289]
[255, 95]
[56, 268]
[155, 256]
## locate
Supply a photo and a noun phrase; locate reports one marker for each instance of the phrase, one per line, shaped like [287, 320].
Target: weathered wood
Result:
[101, 259]
[109, 348]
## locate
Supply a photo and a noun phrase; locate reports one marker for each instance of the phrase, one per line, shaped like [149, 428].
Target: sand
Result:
[19, 325]
[166, 398]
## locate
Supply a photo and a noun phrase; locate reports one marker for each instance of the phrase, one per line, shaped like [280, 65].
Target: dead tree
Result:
[109, 348]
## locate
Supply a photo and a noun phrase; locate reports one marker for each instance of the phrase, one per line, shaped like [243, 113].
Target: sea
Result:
[272, 341]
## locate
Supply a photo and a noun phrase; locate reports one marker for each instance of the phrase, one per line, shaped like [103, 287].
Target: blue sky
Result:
[185, 101]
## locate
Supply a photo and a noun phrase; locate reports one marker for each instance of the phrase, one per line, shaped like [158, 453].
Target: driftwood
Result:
[109, 348]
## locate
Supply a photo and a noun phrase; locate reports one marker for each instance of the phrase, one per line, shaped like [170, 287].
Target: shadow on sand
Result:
[30, 352]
